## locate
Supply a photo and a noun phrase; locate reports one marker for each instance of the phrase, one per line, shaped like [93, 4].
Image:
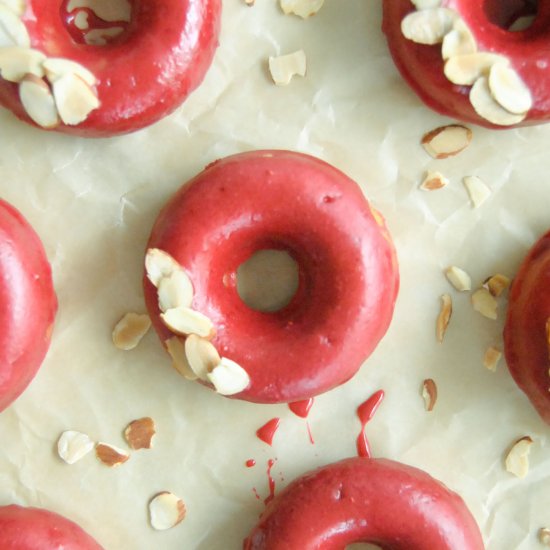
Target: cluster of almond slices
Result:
[193, 354]
[498, 94]
[51, 90]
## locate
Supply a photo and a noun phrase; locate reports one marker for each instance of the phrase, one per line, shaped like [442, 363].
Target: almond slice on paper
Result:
[228, 378]
[139, 433]
[477, 190]
[176, 349]
[302, 8]
[284, 67]
[447, 141]
[544, 535]
[459, 41]
[464, 70]
[37, 100]
[491, 358]
[74, 99]
[184, 320]
[517, 459]
[108, 10]
[428, 26]
[497, 284]
[509, 90]
[485, 303]
[175, 290]
[444, 317]
[159, 264]
[16, 62]
[201, 355]
[429, 394]
[72, 446]
[13, 31]
[434, 181]
[129, 331]
[166, 510]
[458, 278]
[57, 67]
[110, 455]
[16, 6]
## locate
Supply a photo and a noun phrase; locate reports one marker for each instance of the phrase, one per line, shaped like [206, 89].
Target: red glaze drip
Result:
[301, 408]
[310, 435]
[271, 482]
[267, 431]
[250, 463]
[365, 412]
[256, 494]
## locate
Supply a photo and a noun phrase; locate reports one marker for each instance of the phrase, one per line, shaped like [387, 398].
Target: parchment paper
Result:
[94, 202]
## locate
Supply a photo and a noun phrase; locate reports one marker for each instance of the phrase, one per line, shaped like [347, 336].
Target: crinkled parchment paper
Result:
[94, 202]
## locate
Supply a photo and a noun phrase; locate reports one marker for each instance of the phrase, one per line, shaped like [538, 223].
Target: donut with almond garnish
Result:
[465, 58]
[275, 200]
[105, 72]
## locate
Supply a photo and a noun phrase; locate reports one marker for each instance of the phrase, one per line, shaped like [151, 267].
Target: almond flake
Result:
[447, 141]
[428, 26]
[74, 99]
[509, 90]
[16, 6]
[459, 41]
[284, 67]
[497, 284]
[458, 278]
[429, 394]
[13, 31]
[108, 10]
[426, 4]
[544, 535]
[166, 510]
[16, 62]
[38, 101]
[444, 317]
[159, 264]
[517, 459]
[175, 290]
[249, 2]
[228, 378]
[477, 190]
[434, 181]
[464, 70]
[57, 67]
[485, 303]
[491, 358]
[110, 455]
[201, 355]
[184, 320]
[129, 331]
[72, 446]
[302, 8]
[176, 349]
[139, 433]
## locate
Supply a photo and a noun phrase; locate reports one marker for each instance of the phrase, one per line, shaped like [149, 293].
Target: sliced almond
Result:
[491, 358]
[458, 278]
[108, 10]
[16, 6]
[284, 67]
[517, 459]
[184, 320]
[13, 31]
[175, 290]
[444, 317]
[488, 108]
[497, 284]
[38, 101]
[110, 455]
[465, 69]
[139, 433]
[16, 62]
[201, 355]
[459, 41]
[57, 67]
[544, 535]
[159, 264]
[166, 510]
[74, 99]
[426, 4]
[447, 141]
[485, 303]
[477, 190]
[72, 446]
[302, 8]
[429, 394]
[434, 181]
[428, 26]
[509, 90]
[249, 2]
[129, 331]
[176, 348]
[101, 37]
[228, 378]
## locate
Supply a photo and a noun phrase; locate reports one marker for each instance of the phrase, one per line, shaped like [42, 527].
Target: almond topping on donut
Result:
[74, 99]
[284, 67]
[72, 446]
[176, 348]
[228, 378]
[496, 284]
[16, 62]
[129, 331]
[458, 278]
[302, 8]
[429, 394]
[509, 90]
[459, 41]
[447, 141]
[465, 69]
[38, 101]
[110, 455]
[13, 31]
[444, 317]
[184, 320]
[159, 264]
[426, 4]
[434, 181]
[485, 303]
[201, 355]
[428, 26]
[56, 67]
[16, 6]
[139, 433]
[166, 510]
[491, 358]
[249, 2]
[175, 290]
[477, 190]
[544, 535]
[517, 459]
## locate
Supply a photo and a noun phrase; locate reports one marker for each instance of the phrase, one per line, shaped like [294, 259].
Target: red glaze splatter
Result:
[365, 412]
[256, 494]
[301, 408]
[267, 431]
[271, 482]
[250, 463]
[310, 435]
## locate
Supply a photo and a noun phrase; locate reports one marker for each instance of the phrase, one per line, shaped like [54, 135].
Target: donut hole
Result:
[511, 15]
[268, 280]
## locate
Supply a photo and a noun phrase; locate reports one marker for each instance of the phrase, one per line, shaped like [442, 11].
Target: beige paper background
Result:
[94, 202]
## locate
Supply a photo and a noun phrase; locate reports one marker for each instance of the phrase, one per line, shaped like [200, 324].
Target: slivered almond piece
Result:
[477, 190]
[459, 41]
[302, 8]
[434, 181]
[426, 4]
[491, 358]
[175, 290]
[458, 278]
[38, 101]
[57, 67]
[101, 37]
[447, 141]
[176, 349]
[110, 455]
[249, 2]
[16, 62]
[129, 331]
[72, 446]
[284, 67]
[444, 317]
[497, 284]
[517, 459]
[139, 433]
[74, 99]
[105, 9]
[509, 90]
[544, 535]
[228, 378]
[159, 264]
[201, 355]
[184, 320]
[428, 26]
[429, 394]
[166, 510]
[12, 29]
[484, 303]
[16, 6]
[465, 69]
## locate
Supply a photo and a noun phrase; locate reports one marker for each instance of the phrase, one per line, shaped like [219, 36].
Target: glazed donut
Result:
[461, 59]
[527, 328]
[348, 275]
[122, 83]
[36, 529]
[27, 304]
[366, 500]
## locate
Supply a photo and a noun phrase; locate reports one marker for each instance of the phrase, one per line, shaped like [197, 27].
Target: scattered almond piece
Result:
[428, 26]
[284, 67]
[175, 290]
[517, 459]
[434, 181]
[72, 446]
[57, 67]
[447, 141]
[139, 433]
[159, 264]
[249, 2]
[166, 510]
[110, 455]
[429, 393]
[176, 349]
[477, 190]
[459, 41]
[38, 101]
[426, 4]
[509, 90]
[491, 358]
[12, 29]
[458, 278]
[485, 303]
[466, 69]
[184, 320]
[302, 8]
[544, 535]
[497, 284]
[16, 62]
[444, 317]
[129, 331]
[201, 355]
[74, 98]
[228, 378]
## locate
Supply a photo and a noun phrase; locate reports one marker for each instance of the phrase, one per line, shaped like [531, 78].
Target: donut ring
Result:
[375, 501]
[510, 87]
[36, 529]
[27, 304]
[348, 275]
[141, 75]
[527, 328]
